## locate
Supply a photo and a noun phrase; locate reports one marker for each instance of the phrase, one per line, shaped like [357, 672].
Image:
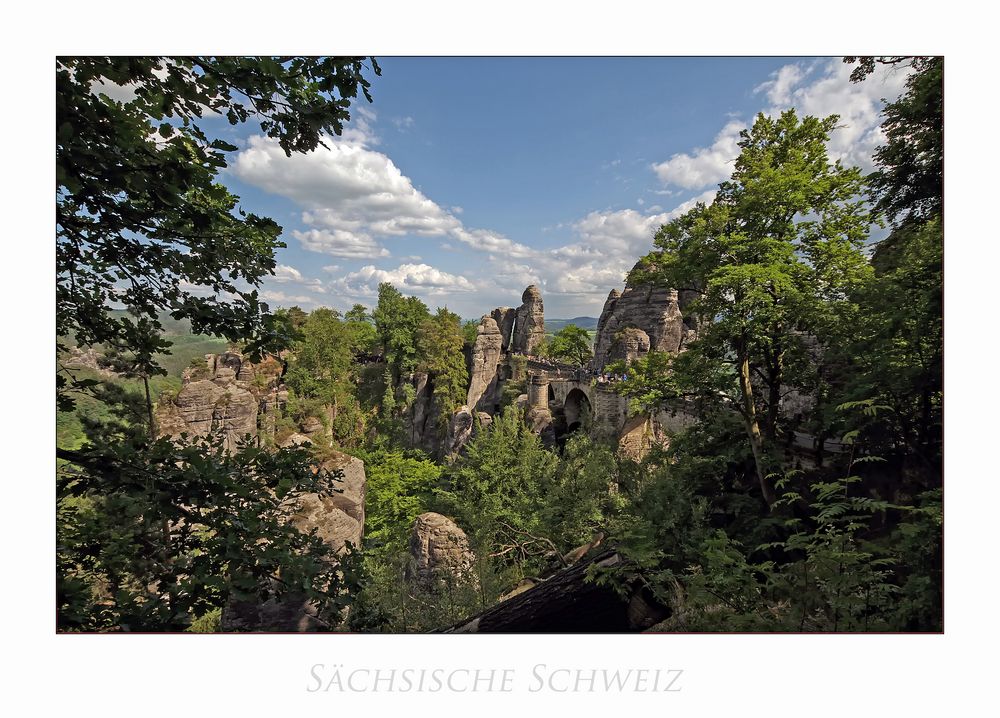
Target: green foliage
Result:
[495, 488]
[397, 321]
[571, 345]
[322, 373]
[771, 260]
[152, 535]
[439, 344]
[152, 539]
[582, 496]
[470, 330]
[210, 622]
[894, 353]
[400, 487]
[909, 182]
[140, 218]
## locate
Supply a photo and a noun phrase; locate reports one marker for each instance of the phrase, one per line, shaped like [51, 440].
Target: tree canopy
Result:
[769, 260]
[572, 345]
[141, 220]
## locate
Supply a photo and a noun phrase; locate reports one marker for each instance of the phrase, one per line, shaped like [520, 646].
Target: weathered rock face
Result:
[338, 519]
[629, 344]
[88, 358]
[485, 359]
[295, 440]
[504, 317]
[421, 421]
[440, 552]
[459, 431]
[312, 426]
[212, 407]
[529, 323]
[639, 435]
[324, 512]
[655, 311]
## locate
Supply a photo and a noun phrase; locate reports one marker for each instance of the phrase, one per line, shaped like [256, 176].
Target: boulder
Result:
[311, 426]
[439, 552]
[295, 440]
[629, 344]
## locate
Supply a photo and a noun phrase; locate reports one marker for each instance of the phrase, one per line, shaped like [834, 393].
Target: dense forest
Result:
[814, 297]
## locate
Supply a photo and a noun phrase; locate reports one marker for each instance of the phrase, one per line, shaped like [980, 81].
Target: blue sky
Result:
[469, 178]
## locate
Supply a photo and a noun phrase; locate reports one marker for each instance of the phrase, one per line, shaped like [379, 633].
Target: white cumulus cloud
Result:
[705, 165]
[353, 196]
[419, 279]
[820, 88]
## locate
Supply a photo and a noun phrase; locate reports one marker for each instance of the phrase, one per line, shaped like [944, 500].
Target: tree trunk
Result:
[753, 429]
[775, 376]
[567, 603]
[149, 409]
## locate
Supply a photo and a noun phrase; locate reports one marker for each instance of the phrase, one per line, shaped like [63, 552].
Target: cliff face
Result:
[656, 312]
[504, 317]
[529, 322]
[485, 359]
[214, 401]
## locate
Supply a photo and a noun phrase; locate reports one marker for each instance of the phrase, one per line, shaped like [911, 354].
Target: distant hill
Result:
[554, 325]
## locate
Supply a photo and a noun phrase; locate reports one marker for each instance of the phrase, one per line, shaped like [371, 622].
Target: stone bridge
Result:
[576, 398]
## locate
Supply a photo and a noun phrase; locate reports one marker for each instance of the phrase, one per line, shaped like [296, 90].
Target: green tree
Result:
[470, 330]
[168, 534]
[770, 260]
[572, 345]
[140, 217]
[133, 355]
[909, 181]
[153, 535]
[397, 320]
[322, 373]
[439, 345]
[496, 486]
[894, 355]
[399, 488]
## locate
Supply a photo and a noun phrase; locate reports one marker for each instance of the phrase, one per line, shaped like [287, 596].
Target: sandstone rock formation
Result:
[440, 552]
[218, 405]
[88, 358]
[459, 431]
[655, 311]
[529, 322]
[312, 426]
[337, 518]
[485, 358]
[629, 344]
[295, 440]
[421, 420]
[639, 435]
[504, 317]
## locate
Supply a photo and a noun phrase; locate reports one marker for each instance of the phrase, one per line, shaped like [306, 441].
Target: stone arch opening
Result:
[577, 410]
[552, 393]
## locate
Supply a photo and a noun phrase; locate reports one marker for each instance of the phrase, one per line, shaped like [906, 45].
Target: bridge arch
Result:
[577, 409]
